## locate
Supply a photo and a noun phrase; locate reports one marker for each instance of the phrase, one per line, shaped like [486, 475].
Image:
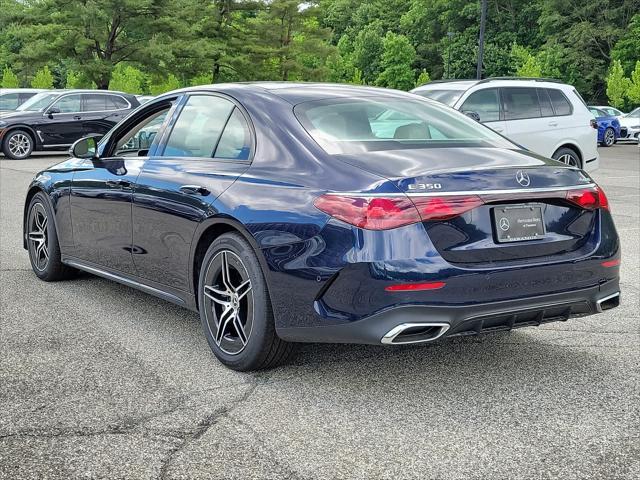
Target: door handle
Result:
[194, 190]
[118, 183]
[498, 129]
[553, 124]
[77, 117]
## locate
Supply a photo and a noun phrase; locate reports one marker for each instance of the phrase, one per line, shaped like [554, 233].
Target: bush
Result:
[126, 78]
[170, 83]
[43, 78]
[9, 79]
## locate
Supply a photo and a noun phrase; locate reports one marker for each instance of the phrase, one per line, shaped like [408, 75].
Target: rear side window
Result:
[94, 102]
[545, 103]
[561, 105]
[10, 101]
[235, 141]
[520, 103]
[116, 102]
[485, 103]
[199, 127]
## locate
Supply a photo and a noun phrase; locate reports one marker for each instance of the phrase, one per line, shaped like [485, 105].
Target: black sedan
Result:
[54, 120]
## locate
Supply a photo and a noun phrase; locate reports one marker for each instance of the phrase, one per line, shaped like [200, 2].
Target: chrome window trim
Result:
[44, 113]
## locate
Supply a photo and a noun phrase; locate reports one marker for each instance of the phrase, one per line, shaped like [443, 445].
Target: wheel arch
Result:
[574, 147]
[31, 192]
[207, 232]
[27, 128]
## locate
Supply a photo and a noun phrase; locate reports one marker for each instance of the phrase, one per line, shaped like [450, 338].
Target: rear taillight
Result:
[383, 213]
[593, 123]
[589, 198]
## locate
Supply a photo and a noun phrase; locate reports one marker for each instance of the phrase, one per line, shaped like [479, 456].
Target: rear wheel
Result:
[17, 145]
[235, 309]
[42, 242]
[609, 137]
[567, 156]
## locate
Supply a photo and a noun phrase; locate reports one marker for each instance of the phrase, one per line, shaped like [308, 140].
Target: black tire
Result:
[567, 156]
[608, 138]
[238, 322]
[18, 145]
[42, 242]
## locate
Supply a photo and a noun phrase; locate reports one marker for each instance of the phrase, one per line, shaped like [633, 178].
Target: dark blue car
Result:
[608, 127]
[288, 213]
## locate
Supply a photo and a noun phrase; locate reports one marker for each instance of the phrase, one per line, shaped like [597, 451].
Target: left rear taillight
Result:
[589, 198]
[384, 213]
[593, 123]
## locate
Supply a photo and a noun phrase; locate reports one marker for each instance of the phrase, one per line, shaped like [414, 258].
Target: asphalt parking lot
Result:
[101, 381]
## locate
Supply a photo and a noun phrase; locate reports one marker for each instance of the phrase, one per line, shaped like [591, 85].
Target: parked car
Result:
[286, 212]
[544, 116]
[614, 112]
[53, 120]
[608, 127]
[12, 98]
[630, 126]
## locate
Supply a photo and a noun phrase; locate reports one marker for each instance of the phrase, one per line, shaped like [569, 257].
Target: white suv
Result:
[544, 116]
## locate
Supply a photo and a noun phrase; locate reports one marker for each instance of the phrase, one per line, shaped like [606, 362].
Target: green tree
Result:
[627, 49]
[9, 79]
[633, 91]
[73, 79]
[357, 79]
[166, 85]
[617, 85]
[423, 78]
[201, 79]
[530, 68]
[397, 57]
[43, 78]
[128, 79]
[367, 52]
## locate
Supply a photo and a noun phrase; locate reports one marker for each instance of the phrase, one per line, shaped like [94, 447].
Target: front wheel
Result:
[609, 137]
[235, 309]
[17, 145]
[567, 156]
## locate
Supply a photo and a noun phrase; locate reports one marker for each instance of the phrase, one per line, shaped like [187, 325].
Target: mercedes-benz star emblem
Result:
[523, 178]
[504, 224]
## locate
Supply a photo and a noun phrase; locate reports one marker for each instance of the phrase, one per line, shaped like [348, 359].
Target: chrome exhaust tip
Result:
[608, 302]
[415, 333]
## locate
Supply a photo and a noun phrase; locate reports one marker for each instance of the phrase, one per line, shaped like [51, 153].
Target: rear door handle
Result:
[194, 190]
[77, 117]
[498, 129]
[553, 124]
[118, 183]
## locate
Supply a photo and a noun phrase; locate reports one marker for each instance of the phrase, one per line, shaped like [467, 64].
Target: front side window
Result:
[344, 126]
[10, 101]
[561, 105]
[38, 102]
[199, 126]
[486, 103]
[68, 104]
[520, 103]
[140, 137]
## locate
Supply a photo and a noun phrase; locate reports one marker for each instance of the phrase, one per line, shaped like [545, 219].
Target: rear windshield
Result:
[448, 97]
[368, 124]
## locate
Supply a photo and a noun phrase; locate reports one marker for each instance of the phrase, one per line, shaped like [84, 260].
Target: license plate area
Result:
[518, 223]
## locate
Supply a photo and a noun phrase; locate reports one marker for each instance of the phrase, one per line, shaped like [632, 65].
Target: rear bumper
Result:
[458, 320]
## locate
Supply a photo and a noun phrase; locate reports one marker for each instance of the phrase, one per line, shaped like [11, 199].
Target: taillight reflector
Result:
[415, 287]
[611, 263]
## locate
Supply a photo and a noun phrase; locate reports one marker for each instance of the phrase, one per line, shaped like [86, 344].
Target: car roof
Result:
[297, 92]
[18, 90]
[501, 81]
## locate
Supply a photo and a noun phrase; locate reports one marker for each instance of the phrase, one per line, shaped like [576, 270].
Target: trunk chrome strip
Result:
[431, 193]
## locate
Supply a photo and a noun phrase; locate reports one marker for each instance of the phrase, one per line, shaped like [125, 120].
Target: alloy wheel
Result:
[38, 236]
[19, 145]
[229, 311]
[568, 159]
[609, 137]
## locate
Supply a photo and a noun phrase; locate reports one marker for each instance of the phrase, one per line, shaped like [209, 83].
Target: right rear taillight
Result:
[383, 213]
[589, 198]
[593, 123]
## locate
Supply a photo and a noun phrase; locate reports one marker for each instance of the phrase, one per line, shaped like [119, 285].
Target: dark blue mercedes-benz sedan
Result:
[288, 213]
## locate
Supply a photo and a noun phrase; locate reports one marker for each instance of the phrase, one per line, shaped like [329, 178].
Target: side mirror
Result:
[53, 110]
[86, 147]
[473, 115]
